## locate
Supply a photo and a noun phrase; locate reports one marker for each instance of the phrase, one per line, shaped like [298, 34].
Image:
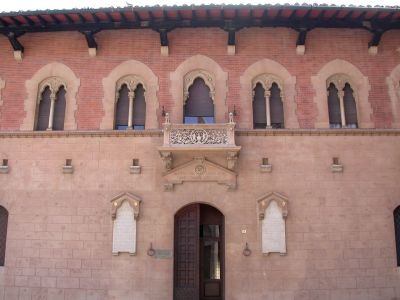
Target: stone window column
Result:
[267, 95]
[342, 114]
[131, 96]
[51, 116]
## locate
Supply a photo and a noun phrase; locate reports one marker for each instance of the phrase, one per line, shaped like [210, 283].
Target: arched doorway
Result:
[199, 253]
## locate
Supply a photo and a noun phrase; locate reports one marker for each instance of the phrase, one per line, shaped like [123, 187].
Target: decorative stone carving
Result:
[167, 160]
[192, 76]
[339, 81]
[125, 212]
[131, 81]
[54, 84]
[198, 136]
[200, 170]
[266, 80]
[272, 213]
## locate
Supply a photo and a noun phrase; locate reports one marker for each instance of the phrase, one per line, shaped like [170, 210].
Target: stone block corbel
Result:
[17, 46]
[232, 158]
[301, 41]
[166, 157]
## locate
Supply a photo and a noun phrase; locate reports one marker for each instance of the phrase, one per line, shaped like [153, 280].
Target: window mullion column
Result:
[131, 96]
[342, 114]
[267, 95]
[51, 114]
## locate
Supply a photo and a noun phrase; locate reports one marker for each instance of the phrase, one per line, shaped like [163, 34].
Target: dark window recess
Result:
[199, 107]
[122, 109]
[350, 109]
[276, 107]
[396, 215]
[59, 110]
[139, 108]
[3, 233]
[335, 120]
[44, 110]
[259, 109]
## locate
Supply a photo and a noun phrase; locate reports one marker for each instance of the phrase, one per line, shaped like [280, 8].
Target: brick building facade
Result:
[301, 212]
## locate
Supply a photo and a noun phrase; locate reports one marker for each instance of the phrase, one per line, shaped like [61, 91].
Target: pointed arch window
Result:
[341, 103]
[199, 98]
[130, 110]
[51, 105]
[267, 103]
[3, 233]
[396, 215]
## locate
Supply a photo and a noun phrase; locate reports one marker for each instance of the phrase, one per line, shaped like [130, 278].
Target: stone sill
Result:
[238, 132]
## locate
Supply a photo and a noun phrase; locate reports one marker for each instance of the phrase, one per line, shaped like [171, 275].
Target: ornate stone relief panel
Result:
[54, 84]
[266, 81]
[339, 81]
[272, 213]
[192, 76]
[125, 212]
[200, 170]
[131, 81]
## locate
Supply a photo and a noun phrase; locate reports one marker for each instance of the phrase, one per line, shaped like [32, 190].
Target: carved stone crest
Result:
[200, 170]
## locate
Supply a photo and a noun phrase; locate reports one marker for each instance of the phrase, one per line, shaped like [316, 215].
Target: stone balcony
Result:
[198, 139]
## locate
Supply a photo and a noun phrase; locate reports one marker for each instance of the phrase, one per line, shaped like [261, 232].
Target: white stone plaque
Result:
[124, 230]
[273, 230]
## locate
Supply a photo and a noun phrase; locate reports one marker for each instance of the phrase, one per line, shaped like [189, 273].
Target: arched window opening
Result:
[342, 106]
[259, 108]
[334, 107]
[122, 109]
[59, 110]
[51, 104]
[267, 105]
[199, 107]
[276, 104]
[396, 215]
[3, 233]
[350, 109]
[139, 108]
[44, 110]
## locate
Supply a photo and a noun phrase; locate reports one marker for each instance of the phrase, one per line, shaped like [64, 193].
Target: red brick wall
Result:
[322, 46]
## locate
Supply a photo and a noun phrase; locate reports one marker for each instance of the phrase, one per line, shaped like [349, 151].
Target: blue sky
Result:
[17, 5]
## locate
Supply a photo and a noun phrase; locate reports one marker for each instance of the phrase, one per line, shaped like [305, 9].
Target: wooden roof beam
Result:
[16, 45]
[375, 40]
[91, 42]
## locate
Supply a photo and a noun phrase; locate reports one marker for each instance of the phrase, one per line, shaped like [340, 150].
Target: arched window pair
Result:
[51, 104]
[267, 103]
[341, 103]
[130, 110]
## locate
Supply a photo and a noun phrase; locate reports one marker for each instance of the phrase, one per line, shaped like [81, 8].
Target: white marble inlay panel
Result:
[124, 230]
[273, 230]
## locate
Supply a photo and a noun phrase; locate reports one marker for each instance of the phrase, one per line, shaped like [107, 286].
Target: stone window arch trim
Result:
[192, 76]
[194, 67]
[267, 69]
[393, 83]
[338, 71]
[264, 201]
[2, 86]
[35, 86]
[133, 200]
[138, 73]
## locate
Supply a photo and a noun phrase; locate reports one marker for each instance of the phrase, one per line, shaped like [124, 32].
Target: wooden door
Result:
[186, 253]
[211, 253]
[199, 253]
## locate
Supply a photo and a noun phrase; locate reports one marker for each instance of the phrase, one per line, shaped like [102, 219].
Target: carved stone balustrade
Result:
[199, 139]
